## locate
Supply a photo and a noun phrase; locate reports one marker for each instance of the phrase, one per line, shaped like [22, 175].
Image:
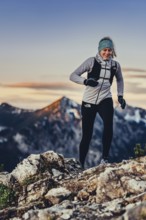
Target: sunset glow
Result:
[43, 42]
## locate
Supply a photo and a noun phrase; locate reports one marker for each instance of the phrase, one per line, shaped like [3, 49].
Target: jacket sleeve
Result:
[84, 67]
[120, 81]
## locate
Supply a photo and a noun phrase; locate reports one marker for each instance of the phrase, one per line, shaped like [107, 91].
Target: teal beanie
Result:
[107, 43]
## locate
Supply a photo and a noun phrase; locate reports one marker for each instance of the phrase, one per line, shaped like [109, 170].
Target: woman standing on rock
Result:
[97, 95]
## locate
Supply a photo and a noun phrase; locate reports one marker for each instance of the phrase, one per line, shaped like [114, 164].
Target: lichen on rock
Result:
[49, 186]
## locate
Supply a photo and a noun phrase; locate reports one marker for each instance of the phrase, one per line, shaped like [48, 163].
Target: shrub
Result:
[139, 151]
[6, 196]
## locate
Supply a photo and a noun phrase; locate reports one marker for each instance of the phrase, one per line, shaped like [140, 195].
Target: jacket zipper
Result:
[101, 84]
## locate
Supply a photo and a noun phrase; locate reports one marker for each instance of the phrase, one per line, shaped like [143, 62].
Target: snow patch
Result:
[2, 128]
[74, 112]
[2, 140]
[136, 117]
[20, 139]
[17, 111]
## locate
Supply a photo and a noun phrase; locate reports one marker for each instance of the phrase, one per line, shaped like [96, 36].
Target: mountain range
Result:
[58, 126]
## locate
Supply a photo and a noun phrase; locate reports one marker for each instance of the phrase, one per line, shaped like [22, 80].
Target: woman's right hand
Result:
[90, 82]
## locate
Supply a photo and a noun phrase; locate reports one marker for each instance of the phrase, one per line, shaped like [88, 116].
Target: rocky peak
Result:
[59, 105]
[49, 186]
[6, 107]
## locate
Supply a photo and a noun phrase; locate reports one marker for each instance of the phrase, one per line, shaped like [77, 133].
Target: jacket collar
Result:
[100, 59]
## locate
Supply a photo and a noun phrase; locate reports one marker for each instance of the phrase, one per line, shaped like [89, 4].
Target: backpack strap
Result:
[95, 73]
[113, 71]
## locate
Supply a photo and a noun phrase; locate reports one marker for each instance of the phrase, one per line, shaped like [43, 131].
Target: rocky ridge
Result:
[49, 186]
[58, 127]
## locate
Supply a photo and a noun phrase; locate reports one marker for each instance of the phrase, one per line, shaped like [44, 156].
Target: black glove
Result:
[122, 101]
[90, 82]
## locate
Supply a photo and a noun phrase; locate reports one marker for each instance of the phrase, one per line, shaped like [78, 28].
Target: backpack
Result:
[95, 73]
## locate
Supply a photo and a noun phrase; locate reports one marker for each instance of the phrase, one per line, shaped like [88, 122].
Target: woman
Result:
[97, 96]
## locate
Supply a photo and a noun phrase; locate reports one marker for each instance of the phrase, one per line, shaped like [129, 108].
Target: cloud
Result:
[133, 70]
[42, 85]
[135, 88]
[35, 95]
[135, 76]
[134, 73]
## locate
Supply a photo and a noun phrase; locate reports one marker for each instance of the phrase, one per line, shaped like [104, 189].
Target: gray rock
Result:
[49, 186]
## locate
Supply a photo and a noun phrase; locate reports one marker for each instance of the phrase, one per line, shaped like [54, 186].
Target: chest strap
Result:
[95, 73]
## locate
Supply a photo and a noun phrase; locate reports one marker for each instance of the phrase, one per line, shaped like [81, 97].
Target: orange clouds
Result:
[133, 70]
[40, 85]
[134, 73]
[39, 94]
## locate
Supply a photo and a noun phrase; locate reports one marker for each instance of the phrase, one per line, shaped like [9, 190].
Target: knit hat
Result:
[106, 42]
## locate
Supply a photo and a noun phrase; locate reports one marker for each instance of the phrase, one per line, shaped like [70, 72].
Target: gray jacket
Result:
[95, 95]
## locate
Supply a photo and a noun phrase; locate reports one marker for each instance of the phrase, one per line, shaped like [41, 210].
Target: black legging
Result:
[105, 110]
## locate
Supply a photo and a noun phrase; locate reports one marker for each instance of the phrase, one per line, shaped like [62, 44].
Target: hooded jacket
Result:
[105, 72]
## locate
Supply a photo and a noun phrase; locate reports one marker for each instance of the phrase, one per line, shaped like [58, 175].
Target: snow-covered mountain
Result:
[58, 127]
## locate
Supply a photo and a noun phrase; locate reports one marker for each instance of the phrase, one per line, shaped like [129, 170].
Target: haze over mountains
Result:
[57, 127]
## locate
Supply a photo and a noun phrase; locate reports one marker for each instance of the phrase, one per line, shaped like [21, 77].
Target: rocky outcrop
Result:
[49, 186]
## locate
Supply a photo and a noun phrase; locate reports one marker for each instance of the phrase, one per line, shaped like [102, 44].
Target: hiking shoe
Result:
[81, 166]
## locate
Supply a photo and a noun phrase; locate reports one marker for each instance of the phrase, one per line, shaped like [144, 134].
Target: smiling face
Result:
[106, 53]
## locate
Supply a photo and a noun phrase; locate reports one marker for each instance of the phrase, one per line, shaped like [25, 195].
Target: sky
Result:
[43, 41]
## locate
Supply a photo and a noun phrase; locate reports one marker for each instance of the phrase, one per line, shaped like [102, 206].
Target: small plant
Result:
[139, 151]
[143, 214]
[6, 196]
